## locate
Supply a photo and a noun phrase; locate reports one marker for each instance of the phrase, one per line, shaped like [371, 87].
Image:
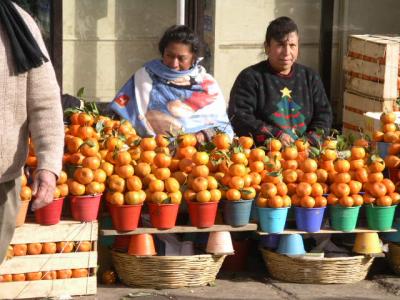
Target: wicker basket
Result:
[394, 257]
[162, 272]
[317, 270]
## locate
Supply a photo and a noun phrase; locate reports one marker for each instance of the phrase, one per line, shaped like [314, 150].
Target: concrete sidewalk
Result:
[232, 286]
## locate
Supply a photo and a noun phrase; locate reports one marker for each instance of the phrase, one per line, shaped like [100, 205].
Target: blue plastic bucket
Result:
[309, 219]
[272, 220]
[291, 244]
[236, 213]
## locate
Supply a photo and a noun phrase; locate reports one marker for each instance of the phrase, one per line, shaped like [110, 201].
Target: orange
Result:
[25, 193]
[200, 184]
[395, 198]
[162, 173]
[116, 183]
[133, 183]
[309, 165]
[142, 169]
[275, 202]
[162, 160]
[73, 144]
[49, 248]
[133, 198]
[332, 199]
[33, 276]
[107, 167]
[171, 185]
[200, 171]
[289, 176]
[49, 275]
[18, 277]
[77, 273]
[357, 152]
[238, 158]
[255, 178]
[356, 164]
[64, 247]
[215, 195]
[61, 179]
[176, 197]
[262, 202]
[34, 248]
[327, 165]
[75, 188]
[307, 201]
[342, 189]
[375, 177]
[116, 198]
[162, 140]
[187, 140]
[287, 201]
[346, 201]
[342, 166]
[268, 190]
[257, 154]
[378, 189]
[317, 190]
[221, 141]
[83, 246]
[342, 178]
[203, 196]
[63, 188]
[84, 119]
[390, 187]
[147, 156]
[189, 195]
[320, 201]
[236, 182]
[309, 177]
[200, 158]
[290, 153]
[233, 195]
[281, 188]
[303, 189]
[93, 188]
[212, 183]
[90, 147]
[148, 143]
[64, 274]
[185, 152]
[378, 165]
[290, 164]
[124, 171]
[247, 142]
[83, 175]
[99, 175]
[355, 187]
[301, 145]
[384, 201]
[156, 186]
[322, 175]
[186, 165]
[357, 200]
[123, 158]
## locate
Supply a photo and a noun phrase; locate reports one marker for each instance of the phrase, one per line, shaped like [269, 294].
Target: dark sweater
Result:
[262, 101]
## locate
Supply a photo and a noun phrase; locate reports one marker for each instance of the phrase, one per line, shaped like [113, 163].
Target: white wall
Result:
[105, 41]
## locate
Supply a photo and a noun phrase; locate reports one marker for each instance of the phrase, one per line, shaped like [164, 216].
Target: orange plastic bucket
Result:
[202, 215]
[163, 216]
[85, 208]
[141, 245]
[125, 217]
[50, 214]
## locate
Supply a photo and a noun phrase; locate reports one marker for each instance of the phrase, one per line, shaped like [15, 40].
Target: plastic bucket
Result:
[270, 241]
[125, 217]
[219, 242]
[21, 216]
[163, 216]
[393, 236]
[202, 215]
[344, 218]
[121, 243]
[291, 244]
[367, 243]
[50, 214]
[272, 220]
[85, 208]
[309, 219]
[380, 217]
[237, 213]
[141, 245]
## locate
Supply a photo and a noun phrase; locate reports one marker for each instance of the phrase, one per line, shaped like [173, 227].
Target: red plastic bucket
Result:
[163, 216]
[202, 215]
[125, 217]
[85, 208]
[121, 242]
[50, 214]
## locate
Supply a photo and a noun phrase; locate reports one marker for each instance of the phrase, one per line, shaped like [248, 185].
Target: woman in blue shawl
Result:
[174, 93]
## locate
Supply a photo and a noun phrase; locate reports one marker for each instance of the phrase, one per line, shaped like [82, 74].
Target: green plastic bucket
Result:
[380, 217]
[343, 218]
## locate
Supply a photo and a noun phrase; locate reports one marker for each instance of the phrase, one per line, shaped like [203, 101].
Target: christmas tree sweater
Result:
[263, 102]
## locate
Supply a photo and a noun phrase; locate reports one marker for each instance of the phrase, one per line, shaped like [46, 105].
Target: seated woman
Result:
[278, 96]
[174, 93]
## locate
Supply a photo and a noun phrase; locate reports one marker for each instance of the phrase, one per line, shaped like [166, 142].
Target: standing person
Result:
[174, 92]
[278, 96]
[29, 105]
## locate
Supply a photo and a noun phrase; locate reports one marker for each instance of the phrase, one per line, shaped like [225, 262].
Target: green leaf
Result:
[80, 92]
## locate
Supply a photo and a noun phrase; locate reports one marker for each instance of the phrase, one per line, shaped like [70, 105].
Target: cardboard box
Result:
[372, 121]
[63, 231]
[372, 65]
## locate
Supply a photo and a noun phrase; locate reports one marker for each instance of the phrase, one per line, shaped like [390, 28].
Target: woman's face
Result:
[178, 56]
[283, 54]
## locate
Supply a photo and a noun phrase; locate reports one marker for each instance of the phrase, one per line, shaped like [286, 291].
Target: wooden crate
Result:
[64, 231]
[355, 105]
[372, 65]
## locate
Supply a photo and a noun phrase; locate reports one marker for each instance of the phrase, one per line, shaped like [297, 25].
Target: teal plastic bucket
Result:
[272, 220]
[380, 217]
[291, 244]
[343, 218]
[236, 213]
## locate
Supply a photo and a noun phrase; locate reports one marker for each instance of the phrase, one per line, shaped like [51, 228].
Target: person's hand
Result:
[200, 137]
[44, 184]
[286, 139]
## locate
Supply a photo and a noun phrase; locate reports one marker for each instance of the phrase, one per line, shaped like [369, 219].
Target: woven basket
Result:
[394, 257]
[162, 272]
[317, 270]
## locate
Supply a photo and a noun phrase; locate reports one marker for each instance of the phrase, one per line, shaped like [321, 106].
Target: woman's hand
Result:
[286, 139]
[44, 184]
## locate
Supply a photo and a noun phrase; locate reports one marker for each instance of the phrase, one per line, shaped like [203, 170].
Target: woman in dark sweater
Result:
[278, 96]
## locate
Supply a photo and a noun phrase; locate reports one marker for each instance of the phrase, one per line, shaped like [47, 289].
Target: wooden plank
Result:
[365, 104]
[355, 119]
[63, 231]
[352, 64]
[48, 262]
[370, 88]
[180, 229]
[48, 288]
[325, 231]
[372, 46]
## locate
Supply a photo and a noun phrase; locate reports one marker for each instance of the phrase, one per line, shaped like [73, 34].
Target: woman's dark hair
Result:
[179, 34]
[279, 28]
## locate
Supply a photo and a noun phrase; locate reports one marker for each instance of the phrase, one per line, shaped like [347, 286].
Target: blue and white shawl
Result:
[157, 99]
